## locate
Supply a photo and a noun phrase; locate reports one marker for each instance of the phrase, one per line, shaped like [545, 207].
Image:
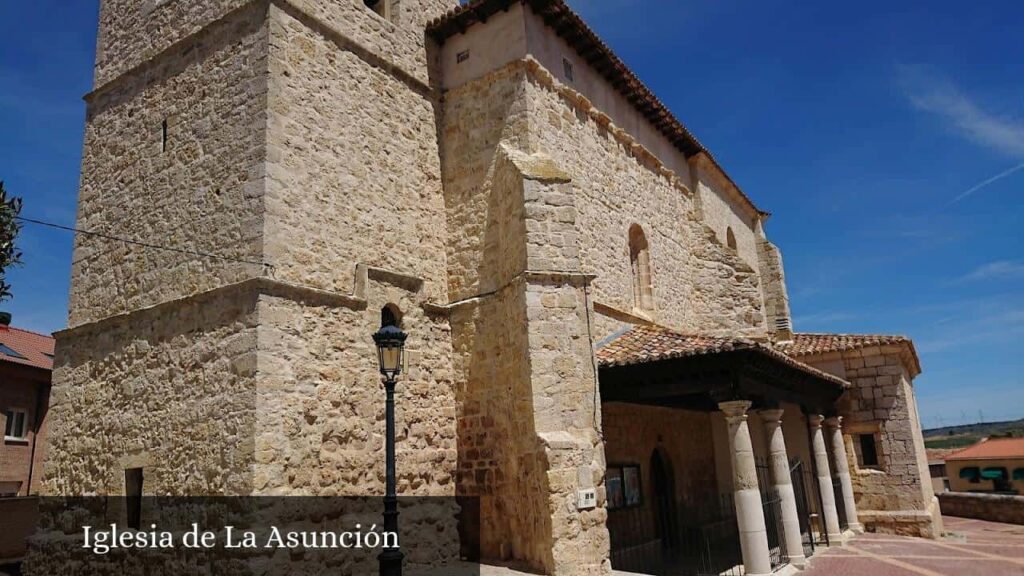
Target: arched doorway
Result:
[663, 488]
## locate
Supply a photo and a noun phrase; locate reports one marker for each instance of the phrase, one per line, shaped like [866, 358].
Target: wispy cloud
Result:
[932, 92]
[987, 182]
[997, 270]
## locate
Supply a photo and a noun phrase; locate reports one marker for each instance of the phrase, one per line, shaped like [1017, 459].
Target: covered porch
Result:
[722, 455]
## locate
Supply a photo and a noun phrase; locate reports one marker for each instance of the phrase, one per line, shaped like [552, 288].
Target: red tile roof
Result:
[642, 344]
[807, 344]
[996, 448]
[569, 26]
[820, 343]
[36, 350]
[935, 455]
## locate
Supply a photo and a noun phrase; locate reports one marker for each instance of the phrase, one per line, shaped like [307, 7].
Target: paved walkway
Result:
[975, 548]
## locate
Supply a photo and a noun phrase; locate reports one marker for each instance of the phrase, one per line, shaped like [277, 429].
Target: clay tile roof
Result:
[807, 344]
[995, 448]
[936, 455]
[642, 344]
[570, 27]
[28, 348]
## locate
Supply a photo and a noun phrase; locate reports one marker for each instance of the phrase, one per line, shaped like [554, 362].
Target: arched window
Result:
[387, 9]
[390, 315]
[640, 262]
[730, 238]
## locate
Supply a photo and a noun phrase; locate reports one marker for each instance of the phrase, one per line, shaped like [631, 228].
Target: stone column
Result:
[828, 497]
[746, 495]
[783, 483]
[835, 431]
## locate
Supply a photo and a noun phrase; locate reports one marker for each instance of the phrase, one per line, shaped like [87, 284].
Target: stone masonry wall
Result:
[201, 193]
[170, 389]
[991, 507]
[897, 496]
[567, 418]
[477, 118]
[576, 180]
[499, 453]
[721, 208]
[497, 448]
[773, 286]
[699, 284]
[528, 436]
[321, 402]
[134, 32]
[353, 177]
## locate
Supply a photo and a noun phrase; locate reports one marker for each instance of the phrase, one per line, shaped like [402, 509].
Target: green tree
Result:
[10, 207]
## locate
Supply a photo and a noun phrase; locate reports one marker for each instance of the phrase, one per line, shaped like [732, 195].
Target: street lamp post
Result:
[390, 343]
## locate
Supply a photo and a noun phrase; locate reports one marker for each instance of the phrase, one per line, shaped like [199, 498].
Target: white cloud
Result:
[997, 270]
[931, 92]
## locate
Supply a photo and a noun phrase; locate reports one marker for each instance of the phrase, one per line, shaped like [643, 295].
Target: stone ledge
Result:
[994, 507]
[265, 286]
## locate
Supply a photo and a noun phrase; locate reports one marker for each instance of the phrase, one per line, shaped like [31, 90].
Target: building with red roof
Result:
[26, 362]
[992, 465]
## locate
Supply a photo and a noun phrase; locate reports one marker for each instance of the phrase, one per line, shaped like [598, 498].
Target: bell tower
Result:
[282, 155]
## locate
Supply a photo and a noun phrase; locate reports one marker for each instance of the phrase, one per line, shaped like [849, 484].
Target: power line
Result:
[265, 265]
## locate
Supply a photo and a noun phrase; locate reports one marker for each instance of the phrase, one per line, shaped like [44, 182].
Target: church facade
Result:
[600, 345]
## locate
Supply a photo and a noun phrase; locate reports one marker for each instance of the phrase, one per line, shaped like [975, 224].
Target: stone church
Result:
[600, 344]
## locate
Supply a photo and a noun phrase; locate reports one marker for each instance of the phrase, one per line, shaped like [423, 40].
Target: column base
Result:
[857, 528]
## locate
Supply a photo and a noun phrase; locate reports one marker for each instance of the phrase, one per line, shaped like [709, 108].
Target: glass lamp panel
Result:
[391, 359]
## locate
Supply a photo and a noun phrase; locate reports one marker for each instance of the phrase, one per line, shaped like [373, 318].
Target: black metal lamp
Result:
[390, 343]
[390, 350]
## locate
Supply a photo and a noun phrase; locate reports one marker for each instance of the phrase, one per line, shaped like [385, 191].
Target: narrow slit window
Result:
[567, 68]
[163, 136]
[133, 495]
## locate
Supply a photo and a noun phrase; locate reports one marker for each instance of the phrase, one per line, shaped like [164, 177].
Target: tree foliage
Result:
[10, 208]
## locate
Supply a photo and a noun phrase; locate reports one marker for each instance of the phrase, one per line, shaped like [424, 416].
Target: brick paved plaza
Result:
[973, 547]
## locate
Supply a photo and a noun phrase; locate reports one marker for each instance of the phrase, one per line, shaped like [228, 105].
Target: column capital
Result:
[815, 420]
[735, 408]
[772, 415]
[835, 422]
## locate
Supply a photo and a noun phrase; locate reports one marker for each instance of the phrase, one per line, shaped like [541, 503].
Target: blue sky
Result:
[887, 138]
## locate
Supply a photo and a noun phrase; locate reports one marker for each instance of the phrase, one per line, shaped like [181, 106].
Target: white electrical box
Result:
[586, 499]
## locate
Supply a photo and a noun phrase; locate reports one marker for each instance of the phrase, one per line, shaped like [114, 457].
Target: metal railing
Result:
[809, 506]
[771, 502]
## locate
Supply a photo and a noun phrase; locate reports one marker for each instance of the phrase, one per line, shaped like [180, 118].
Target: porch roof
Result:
[810, 344]
[655, 365]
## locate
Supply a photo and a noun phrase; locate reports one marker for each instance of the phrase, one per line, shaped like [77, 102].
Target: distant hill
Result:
[967, 434]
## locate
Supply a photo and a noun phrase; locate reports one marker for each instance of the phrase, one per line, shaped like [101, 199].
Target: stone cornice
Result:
[266, 286]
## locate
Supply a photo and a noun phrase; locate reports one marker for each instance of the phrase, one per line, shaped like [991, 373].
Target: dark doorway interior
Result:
[664, 492]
